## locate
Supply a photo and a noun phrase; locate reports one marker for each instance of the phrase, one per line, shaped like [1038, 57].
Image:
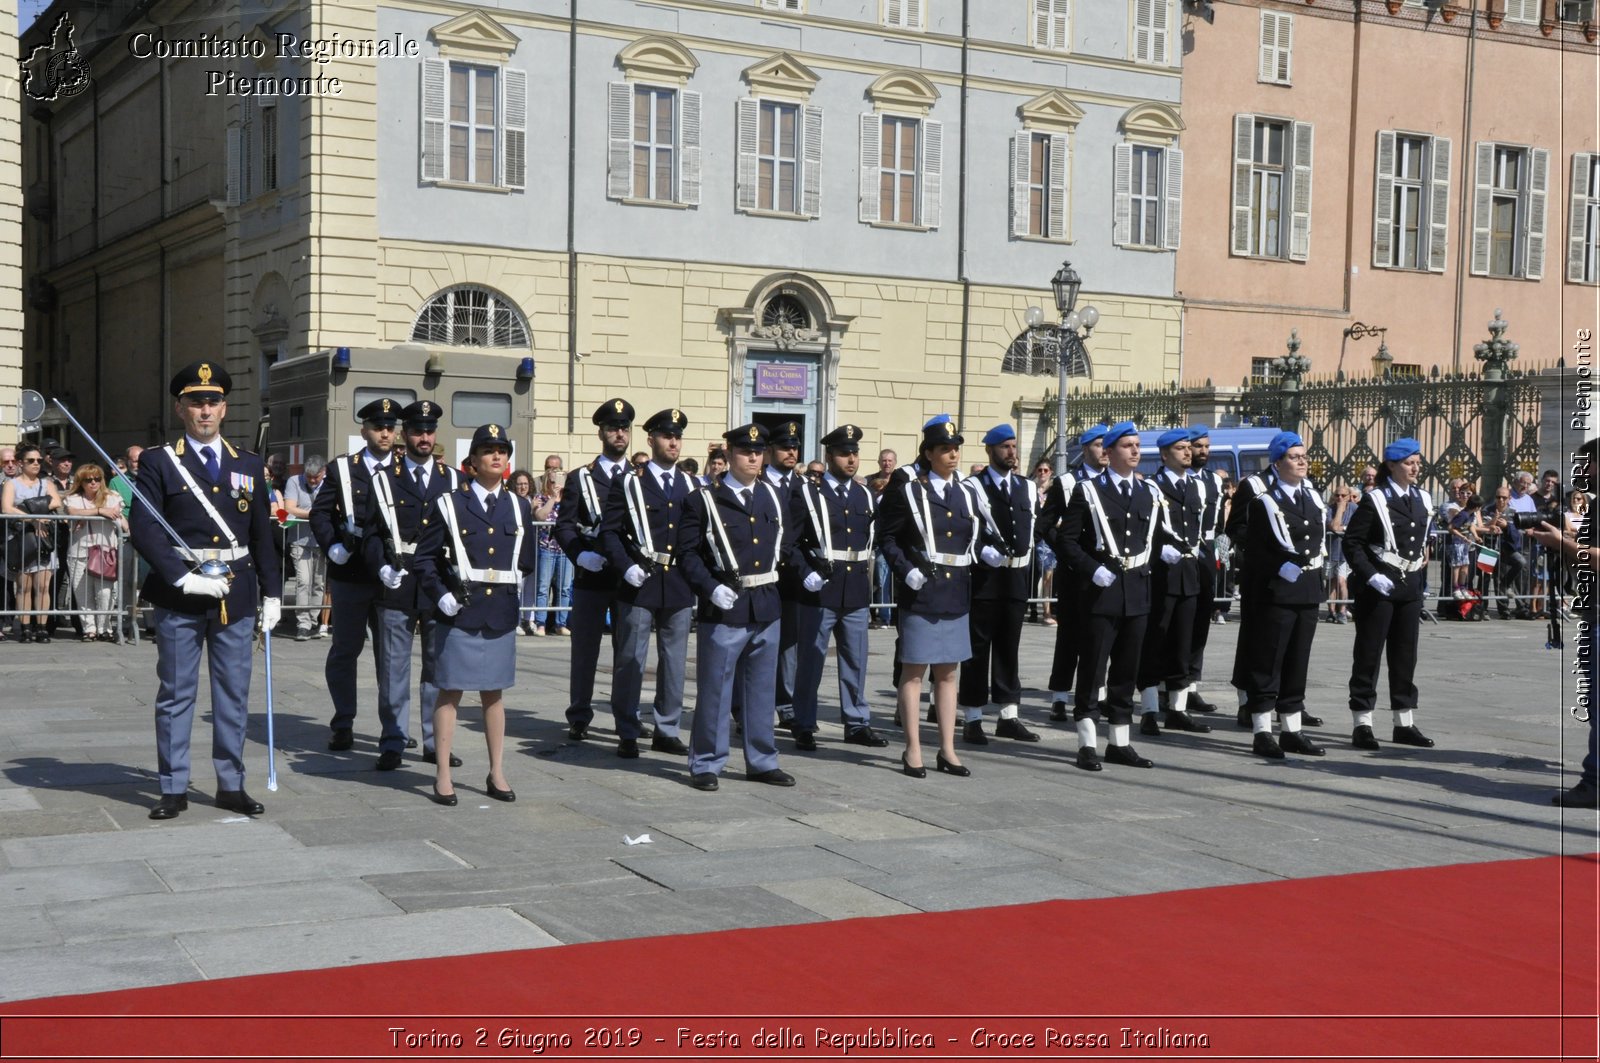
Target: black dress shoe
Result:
[431, 756]
[578, 732]
[1148, 725]
[772, 777]
[865, 736]
[507, 794]
[805, 741]
[786, 723]
[1410, 736]
[1182, 721]
[1058, 712]
[1200, 704]
[1363, 738]
[169, 806]
[668, 744]
[918, 772]
[972, 734]
[960, 771]
[239, 801]
[1088, 759]
[1014, 729]
[442, 799]
[411, 743]
[343, 738]
[389, 760]
[1583, 795]
[628, 748]
[1126, 756]
[1308, 720]
[1264, 745]
[703, 780]
[1296, 742]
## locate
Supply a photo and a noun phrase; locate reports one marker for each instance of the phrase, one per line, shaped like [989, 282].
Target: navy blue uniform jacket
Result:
[666, 588]
[1182, 531]
[1013, 515]
[242, 497]
[578, 525]
[956, 530]
[1308, 534]
[1363, 541]
[1132, 525]
[756, 539]
[412, 506]
[328, 513]
[489, 543]
[849, 585]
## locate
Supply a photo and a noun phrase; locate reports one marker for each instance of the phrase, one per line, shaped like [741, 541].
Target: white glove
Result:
[204, 586]
[1289, 572]
[590, 561]
[448, 604]
[1170, 555]
[813, 582]
[271, 613]
[991, 557]
[916, 579]
[1103, 577]
[1381, 583]
[391, 578]
[635, 576]
[338, 554]
[724, 596]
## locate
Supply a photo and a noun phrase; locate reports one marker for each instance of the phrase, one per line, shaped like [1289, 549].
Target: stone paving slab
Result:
[222, 870]
[950, 852]
[420, 891]
[871, 825]
[29, 886]
[91, 968]
[171, 913]
[837, 898]
[153, 843]
[951, 891]
[742, 834]
[741, 868]
[583, 918]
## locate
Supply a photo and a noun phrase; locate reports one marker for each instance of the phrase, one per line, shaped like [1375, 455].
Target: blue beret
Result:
[999, 434]
[1176, 435]
[1095, 434]
[1120, 429]
[1199, 431]
[1401, 449]
[1281, 443]
[936, 420]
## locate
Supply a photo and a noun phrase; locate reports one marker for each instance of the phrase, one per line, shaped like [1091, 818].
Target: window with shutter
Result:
[783, 5]
[903, 14]
[1583, 225]
[474, 124]
[653, 143]
[811, 163]
[1040, 179]
[1300, 193]
[1172, 201]
[931, 212]
[1526, 11]
[1510, 189]
[868, 163]
[269, 145]
[1277, 42]
[1052, 24]
[435, 76]
[1535, 204]
[514, 129]
[1149, 37]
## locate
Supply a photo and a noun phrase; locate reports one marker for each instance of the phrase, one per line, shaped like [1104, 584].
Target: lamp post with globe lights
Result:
[1065, 341]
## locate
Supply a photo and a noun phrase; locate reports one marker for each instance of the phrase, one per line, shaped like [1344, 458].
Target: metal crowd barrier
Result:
[61, 603]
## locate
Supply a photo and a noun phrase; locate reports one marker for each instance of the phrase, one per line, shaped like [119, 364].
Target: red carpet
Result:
[1471, 961]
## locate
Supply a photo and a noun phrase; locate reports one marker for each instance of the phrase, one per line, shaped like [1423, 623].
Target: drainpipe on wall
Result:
[1468, 161]
[1350, 172]
[961, 220]
[572, 192]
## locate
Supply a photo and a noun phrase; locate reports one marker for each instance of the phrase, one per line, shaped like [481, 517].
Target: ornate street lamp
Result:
[1072, 359]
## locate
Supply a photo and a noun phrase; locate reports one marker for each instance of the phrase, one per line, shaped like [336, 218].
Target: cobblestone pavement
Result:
[349, 865]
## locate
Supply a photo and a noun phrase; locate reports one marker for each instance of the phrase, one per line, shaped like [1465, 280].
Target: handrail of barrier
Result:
[60, 603]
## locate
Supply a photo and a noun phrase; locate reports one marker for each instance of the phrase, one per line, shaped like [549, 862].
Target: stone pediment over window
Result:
[474, 36]
[658, 59]
[1051, 112]
[903, 92]
[1152, 123]
[781, 75]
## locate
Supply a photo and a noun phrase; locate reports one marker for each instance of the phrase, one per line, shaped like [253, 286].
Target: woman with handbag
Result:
[28, 549]
[92, 550]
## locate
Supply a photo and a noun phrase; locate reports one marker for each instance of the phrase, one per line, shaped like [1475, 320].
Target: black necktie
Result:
[416, 474]
[746, 498]
[213, 470]
[666, 485]
[844, 492]
[488, 503]
[1127, 493]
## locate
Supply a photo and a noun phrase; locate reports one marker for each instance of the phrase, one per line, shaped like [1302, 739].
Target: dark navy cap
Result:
[786, 434]
[380, 413]
[491, 435]
[667, 422]
[614, 413]
[940, 432]
[846, 439]
[423, 415]
[201, 378]
[747, 437]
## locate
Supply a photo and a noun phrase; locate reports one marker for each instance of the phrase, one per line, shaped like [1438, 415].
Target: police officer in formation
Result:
[831, 540]
[639, 535]
[1176, 577]
[783, 455]
[218, 500]
[594, 583]
[1069, 617]
[1001, 588]
[478, 545]
[1208, 482]
[1111, 528]
[1386, 544]
[338, 524]
[1287, 544]
[403, 494]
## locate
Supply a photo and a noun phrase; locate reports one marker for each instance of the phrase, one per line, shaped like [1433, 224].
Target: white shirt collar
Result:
[611, 467]
[735, 486]
[833, 481]
[1000, 478]
[215, 445]
[484, 496]
[413, 466]
[1116, 480]
[938, 481]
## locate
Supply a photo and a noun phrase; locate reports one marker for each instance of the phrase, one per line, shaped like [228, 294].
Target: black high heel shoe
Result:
[498, 795]
[958, 770]
[907, 769]
[442, 799]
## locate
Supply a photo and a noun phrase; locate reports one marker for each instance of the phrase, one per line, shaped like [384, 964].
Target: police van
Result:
[1238, 452]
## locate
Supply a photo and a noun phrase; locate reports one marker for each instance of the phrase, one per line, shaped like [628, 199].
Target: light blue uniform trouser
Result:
[849, 632]
[632, 626]
[394, 679]
[355, 616]
[720, 651]
[179, 640]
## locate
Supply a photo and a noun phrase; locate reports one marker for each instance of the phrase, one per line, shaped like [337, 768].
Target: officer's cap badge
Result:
[205, 373]
[755, 433]
[949, 429]
[494, 431]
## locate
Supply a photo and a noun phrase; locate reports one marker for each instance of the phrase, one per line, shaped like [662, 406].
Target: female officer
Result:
[476, 547]
[929, 528]
[1386, 546]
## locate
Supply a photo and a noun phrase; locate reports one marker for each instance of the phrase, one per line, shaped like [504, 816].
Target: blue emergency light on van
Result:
[1235, 451]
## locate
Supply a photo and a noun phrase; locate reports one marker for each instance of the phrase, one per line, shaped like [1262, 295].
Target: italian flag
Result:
[1487, 558]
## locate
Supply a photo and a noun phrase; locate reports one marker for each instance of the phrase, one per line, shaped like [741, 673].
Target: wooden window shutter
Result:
[1056, 194]
[1172, 199]
[1122, 194]
[811, 168]
[1482, 204]
[1578, 220]
[689, 148]
[1021, 160]
[435, 79]
[931, 176]
[1243, 133]
[1537, 204]
[747, 169]
[619, 140]
[1383, 202]
[1439, 204]
[1300, 195]
[514, 128]
[871, 162]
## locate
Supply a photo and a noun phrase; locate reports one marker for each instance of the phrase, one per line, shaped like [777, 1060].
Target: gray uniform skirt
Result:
[934, 640]
[473, 660]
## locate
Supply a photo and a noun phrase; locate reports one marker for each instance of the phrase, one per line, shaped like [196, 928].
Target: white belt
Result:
[661, 559]
[1017, 562]
[1395, 561]
[405, 548]
[760, 580]
[849, 555]
[951, 560]
[490, 575]
[235, 553]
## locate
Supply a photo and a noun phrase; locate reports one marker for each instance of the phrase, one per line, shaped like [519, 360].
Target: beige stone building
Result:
[10, 223]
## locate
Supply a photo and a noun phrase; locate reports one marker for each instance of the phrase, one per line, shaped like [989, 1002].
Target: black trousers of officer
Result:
[1110, 658]
[1249, 637]
[1279, 656]
[1384, 628]
[1204, 606]
[992, 673]
[1069, 633]
[586, 621]
[1168, 641]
